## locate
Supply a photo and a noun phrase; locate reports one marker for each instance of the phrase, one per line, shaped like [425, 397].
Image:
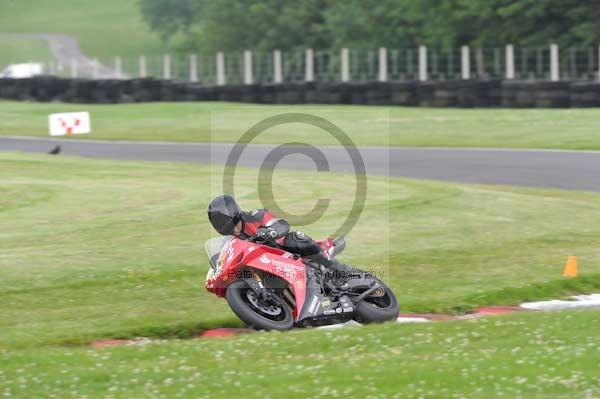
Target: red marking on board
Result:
[69, 129]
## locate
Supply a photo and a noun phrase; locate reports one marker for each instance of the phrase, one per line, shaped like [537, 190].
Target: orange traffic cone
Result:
[571, 267]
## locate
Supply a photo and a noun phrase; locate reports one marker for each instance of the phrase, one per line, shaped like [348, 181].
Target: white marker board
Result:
[68, 123]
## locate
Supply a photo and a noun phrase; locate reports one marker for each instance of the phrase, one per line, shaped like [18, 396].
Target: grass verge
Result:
[530, 355]
[577, 129]
[18, 51]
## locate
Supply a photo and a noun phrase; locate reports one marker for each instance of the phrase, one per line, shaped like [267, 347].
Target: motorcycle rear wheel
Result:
[246, 306]
[378, 310]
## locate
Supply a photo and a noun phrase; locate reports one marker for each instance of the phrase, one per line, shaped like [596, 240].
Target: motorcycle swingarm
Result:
[364, 286]
[366, 293]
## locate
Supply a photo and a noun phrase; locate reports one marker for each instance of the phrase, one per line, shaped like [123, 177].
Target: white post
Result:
[221, 68]
[142, 65]
[248, 67]
[277, 67]
[465, 63]
[510, 61]
[193, 68]
[166, 66]
[74, 68]
[554, 69]
[345, 65]
[423, 64]
[95, 64]
[383, 73]
[598, 75]
[310, 65]
[118, 67]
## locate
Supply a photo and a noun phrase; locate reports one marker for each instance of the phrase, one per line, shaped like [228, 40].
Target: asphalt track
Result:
[573, 170]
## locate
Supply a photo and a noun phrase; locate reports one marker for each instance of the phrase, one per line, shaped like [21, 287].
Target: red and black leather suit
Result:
[296, 242]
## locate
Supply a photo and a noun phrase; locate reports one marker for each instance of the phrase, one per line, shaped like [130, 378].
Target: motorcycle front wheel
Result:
[255, 312]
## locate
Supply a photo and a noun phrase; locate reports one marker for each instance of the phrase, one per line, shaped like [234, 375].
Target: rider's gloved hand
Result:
[266, 233]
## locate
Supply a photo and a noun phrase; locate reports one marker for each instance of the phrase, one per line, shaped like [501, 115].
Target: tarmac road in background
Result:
[573, 170]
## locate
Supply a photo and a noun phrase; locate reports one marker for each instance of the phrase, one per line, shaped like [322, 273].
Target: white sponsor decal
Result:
[264, 259]
[313, 305]
[283, 264]
[69, 123]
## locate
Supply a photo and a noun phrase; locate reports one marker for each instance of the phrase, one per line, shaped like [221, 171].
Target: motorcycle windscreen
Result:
[213, 249]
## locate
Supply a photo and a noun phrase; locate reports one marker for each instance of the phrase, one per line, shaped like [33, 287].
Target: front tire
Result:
[251, 311]
[378, 309]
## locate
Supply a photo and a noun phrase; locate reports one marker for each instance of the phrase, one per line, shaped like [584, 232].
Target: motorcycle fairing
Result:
[279, 263]
[237, 254]
[317, 306]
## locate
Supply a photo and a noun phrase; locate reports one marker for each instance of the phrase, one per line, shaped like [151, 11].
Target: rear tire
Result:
[378, 310]
[240, 301]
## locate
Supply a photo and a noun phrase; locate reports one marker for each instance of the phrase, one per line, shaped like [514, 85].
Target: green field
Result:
[541, 355]
[104, 28]
[367, 125]
[105, 249]
[30, 50]
[90, 245]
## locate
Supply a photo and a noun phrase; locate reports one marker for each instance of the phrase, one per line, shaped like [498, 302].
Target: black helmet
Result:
[224, 213]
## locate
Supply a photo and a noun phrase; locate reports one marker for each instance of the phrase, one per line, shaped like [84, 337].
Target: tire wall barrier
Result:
[466, 93]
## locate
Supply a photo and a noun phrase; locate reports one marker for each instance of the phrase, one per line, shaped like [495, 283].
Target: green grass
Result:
[94, 248]
[381, 126]
[104, 28]
[97, 248]
[539, 355]
[30, 50]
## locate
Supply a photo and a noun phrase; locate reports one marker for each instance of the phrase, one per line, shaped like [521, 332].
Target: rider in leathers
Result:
[227, 218]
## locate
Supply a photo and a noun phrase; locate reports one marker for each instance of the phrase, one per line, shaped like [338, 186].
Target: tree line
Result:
[233, 25]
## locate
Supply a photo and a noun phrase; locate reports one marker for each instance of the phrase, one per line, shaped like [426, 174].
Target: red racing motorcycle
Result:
[271, 289]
